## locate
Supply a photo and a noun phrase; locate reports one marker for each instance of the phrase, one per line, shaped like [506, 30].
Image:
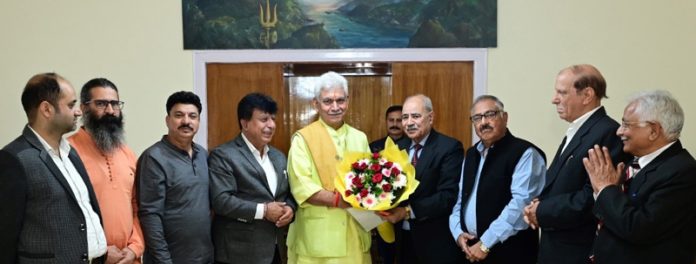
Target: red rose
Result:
[377, 178]
[375, 167]
[363, 166]
[387, 187]
[363, 193]
[356, 180]
[348, 193]
[375, 155]
[389, 164]
[395, 172]
[355, 166]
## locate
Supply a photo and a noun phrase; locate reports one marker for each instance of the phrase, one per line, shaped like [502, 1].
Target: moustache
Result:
[394, 128]
[185, 126]
[484, 127]
[411, 127]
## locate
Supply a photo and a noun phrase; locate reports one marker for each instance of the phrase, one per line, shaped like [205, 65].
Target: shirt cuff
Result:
[413, 215]
[596, 194]
[488, 239]
[259, 211]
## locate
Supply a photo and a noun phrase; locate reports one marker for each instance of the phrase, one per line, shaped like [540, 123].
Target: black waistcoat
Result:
[496, 176]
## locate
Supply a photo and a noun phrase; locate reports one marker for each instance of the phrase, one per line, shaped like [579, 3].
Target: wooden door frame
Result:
[479, 57]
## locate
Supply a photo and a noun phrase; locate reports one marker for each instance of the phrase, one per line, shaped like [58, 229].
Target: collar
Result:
[63, 147]
[340, 131]
[252, 148]
[422, 142]
[194, 147]
[646, 159]
[577, 123]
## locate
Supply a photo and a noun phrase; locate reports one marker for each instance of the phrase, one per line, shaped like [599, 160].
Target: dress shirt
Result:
[174, 204]
[113, 179]
[527, 182]
[267, 166]
[576, 124]
[96, 240]
[411, 152]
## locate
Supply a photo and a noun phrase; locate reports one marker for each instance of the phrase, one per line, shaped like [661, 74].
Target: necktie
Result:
[631, 172]
[416, 149]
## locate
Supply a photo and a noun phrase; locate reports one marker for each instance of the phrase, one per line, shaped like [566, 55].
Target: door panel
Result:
[450, 87]
[228, 83]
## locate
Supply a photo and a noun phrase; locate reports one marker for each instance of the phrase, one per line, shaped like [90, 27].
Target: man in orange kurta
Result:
[111, 168]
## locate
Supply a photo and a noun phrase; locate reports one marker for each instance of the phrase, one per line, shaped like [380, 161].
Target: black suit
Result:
[655, 221]
[40, 219]
[438, 169]
[237, 184]
[564, 213]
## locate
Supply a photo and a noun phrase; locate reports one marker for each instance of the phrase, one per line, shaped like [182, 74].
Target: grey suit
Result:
[237, 184]
[40, 219]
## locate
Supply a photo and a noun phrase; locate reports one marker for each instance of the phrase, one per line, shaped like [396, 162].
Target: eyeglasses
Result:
[101, 104]
[488, 115]
[630, 125]
[330, 101]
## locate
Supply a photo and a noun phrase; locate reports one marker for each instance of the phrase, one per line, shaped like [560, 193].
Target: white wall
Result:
[638, 45]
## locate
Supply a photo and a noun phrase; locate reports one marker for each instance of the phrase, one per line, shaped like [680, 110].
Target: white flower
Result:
[369, 201]
[400, 181]
[385, 196]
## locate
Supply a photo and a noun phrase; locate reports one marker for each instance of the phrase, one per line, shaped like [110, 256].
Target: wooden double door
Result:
[448, 84]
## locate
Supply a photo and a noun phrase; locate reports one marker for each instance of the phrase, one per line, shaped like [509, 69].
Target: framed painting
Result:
[338, 24]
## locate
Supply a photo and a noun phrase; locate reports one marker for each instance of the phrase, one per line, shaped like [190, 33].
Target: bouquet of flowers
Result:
[377, 181]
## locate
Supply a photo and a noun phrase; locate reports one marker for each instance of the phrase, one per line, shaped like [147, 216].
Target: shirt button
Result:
[82, 227]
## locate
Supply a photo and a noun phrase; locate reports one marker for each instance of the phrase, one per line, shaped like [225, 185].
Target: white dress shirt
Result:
[96, 240]
[268, 169]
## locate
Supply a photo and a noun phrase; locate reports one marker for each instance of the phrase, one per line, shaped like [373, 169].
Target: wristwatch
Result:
[484, 248]
[408, 212]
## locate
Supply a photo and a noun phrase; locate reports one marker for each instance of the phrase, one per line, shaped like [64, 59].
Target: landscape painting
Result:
[337, 24]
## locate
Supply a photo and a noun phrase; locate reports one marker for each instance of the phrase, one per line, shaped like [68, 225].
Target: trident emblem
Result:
[268, 22]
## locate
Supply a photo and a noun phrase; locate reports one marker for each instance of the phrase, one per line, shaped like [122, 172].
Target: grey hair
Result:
[427, 103]
[498, 104]
[329, 81]
[659, 106]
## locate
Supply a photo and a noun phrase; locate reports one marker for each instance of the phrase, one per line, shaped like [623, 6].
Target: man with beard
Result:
[172, 178]
[50, 212]
[111, 168]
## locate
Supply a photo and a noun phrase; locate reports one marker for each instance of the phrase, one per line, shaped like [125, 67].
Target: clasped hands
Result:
[279, 213]
[119, 256]
[473, 252]
[601, 168]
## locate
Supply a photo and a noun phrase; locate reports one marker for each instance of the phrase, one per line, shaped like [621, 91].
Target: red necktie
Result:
[414, 159]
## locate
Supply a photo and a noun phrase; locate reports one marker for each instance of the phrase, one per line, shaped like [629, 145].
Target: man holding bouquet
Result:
[421, 222]
[323, 231]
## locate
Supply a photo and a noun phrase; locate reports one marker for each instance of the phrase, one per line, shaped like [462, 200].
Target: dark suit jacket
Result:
[237, 184]
[40, 219]
[438, 169]
[564, 214]
[655, 221]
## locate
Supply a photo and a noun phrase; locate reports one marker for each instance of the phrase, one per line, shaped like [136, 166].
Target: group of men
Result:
[614, 193]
